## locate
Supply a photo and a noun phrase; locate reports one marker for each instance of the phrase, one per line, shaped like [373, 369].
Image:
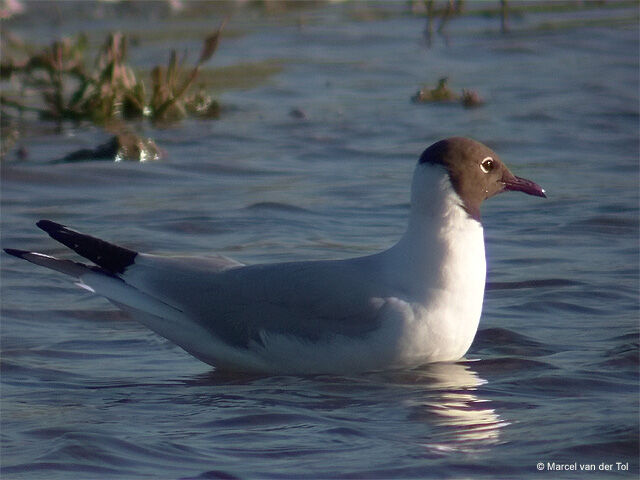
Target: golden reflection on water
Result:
[459, 419]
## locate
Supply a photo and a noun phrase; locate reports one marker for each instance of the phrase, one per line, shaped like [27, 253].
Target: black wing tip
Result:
[15, 252]
[49, 226]
[110, 257]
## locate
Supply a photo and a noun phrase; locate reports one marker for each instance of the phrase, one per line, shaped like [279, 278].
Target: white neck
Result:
[439, 267]
[440, 233]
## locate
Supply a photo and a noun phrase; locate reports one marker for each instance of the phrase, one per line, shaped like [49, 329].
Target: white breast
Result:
[440, 267]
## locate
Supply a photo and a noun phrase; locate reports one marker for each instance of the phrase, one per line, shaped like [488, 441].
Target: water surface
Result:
[553, 373]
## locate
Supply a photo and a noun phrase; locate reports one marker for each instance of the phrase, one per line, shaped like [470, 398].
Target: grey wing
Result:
[309, 300]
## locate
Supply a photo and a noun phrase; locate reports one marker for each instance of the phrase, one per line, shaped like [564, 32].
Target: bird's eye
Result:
[487, 165]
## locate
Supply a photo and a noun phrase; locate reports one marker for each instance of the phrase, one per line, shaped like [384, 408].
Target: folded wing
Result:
[217, 298]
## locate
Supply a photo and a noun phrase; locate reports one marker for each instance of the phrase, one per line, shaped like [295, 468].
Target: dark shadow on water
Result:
[502, 341]
[535, 283]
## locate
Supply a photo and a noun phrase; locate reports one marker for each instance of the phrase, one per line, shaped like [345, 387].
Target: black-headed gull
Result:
[417, 302]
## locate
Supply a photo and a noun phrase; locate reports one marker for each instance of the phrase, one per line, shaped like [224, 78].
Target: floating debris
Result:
[298, 114]
[442, 93]
[471, 99]
[123, 147]
[105, 151]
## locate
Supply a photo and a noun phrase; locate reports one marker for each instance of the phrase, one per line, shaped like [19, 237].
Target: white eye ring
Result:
[487, 165]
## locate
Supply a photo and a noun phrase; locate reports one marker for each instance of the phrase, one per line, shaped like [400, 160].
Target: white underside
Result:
[423, 295]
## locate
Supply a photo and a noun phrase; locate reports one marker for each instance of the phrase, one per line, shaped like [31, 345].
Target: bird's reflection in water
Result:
[436, 406]
[458, 420]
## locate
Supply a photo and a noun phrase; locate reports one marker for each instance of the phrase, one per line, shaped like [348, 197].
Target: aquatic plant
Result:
[169, 100]
[109, 89]
[451, 9]
[106, 92]
[443, 94]
[504, 10]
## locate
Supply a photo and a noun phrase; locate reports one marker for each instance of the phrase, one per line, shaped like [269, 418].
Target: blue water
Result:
[553, 373]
